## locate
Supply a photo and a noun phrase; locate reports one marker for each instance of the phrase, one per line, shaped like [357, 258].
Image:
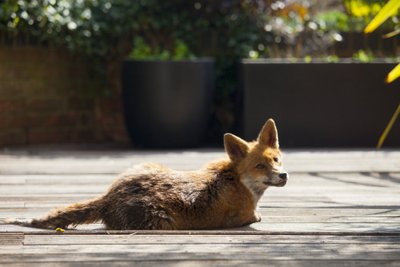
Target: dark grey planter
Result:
[167, 103]
[320, 104]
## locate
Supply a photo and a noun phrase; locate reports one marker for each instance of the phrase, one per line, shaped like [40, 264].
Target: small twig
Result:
[388, 127]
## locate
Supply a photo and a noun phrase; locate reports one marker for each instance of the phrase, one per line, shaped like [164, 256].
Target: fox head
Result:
[258, 163]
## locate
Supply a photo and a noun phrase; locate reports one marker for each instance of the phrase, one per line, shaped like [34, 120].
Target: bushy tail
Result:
[78, 213]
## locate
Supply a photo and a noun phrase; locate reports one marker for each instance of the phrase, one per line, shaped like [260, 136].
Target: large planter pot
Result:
[320, 104]
[167, 103]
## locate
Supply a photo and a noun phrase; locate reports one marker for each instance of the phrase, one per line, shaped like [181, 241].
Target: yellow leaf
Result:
[388, 10]
[60, 230]
[393, 74]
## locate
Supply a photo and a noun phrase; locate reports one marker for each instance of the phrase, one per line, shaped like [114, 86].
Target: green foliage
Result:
[332, 59]
[143, 51]
[207, 28]
[363, 8]
[361, 12]
[106, 31]
[334, 20]
[90, 27]
[292, 30]
[308, 59]
[355, 15]
[363, 56]
[227, 30]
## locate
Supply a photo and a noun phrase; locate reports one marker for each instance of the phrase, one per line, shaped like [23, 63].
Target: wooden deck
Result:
[339, 208]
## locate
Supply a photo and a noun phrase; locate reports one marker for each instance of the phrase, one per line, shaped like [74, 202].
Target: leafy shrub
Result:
[91, 27]
[336, 20]
[227, 30]
[106, 31]
[143, 51]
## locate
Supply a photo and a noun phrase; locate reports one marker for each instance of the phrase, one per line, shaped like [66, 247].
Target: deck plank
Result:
[136, 239]
[214, 263]
[112, 162]
[340, 208]
[202, 251]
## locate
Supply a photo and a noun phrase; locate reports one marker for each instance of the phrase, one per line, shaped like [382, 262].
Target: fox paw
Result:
[257, 217]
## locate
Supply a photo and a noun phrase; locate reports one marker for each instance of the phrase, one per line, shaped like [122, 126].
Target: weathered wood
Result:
[289, 228]
[268, 203]
[393, 211]
[112, 162]
[45, 198]
[266, 218]
[340, 208]
[203, 251]
[354, 178]
[118, 239]
[52, 189]
[11, 239]
[215, 263]
[59, 179]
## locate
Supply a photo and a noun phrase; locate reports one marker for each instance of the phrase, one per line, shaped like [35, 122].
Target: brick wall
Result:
[50, 96]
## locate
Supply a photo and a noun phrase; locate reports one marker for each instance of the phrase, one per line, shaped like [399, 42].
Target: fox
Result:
[149, 196]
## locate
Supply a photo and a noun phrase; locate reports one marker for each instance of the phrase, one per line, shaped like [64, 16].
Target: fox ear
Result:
[235, 147]
[268, 135]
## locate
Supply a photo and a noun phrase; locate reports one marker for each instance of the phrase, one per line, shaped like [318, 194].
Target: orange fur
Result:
[150, 196]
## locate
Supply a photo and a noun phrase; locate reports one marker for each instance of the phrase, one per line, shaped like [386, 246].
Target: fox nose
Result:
[283, 175]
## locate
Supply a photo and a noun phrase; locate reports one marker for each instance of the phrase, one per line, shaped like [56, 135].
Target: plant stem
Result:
[388, 127]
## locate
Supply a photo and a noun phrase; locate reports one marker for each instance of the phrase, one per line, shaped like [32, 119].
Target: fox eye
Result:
[276, 159]
[260, 166]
